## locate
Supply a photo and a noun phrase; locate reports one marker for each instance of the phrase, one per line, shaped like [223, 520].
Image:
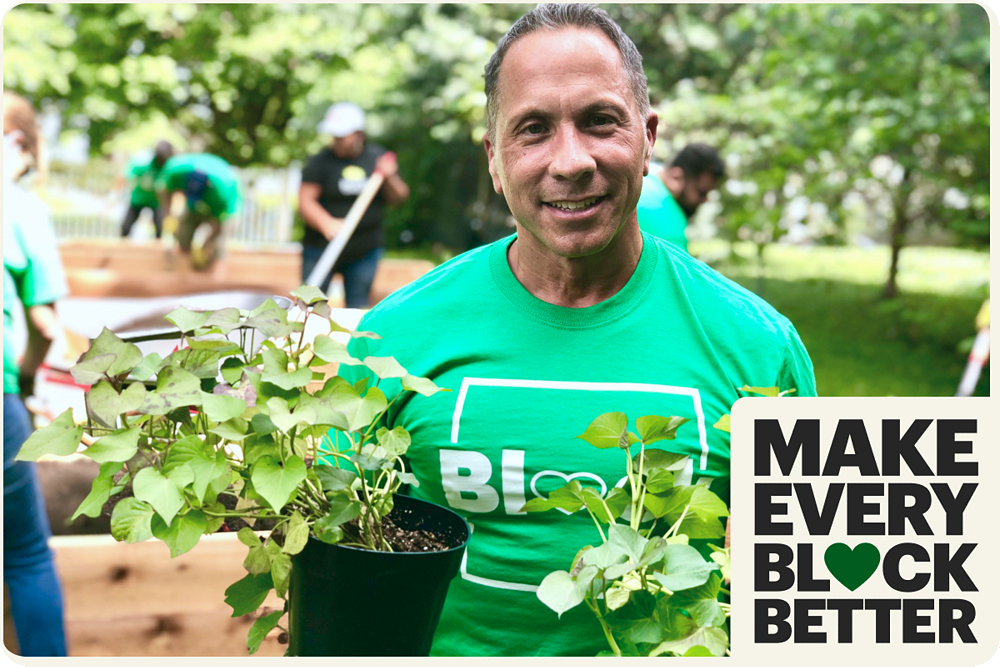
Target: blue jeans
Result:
[358, 275]
[28, 567]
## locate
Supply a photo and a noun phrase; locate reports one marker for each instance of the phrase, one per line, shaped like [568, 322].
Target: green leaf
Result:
[130, 520]
[607, 431]
[332, 351]
[279, 414]
[183, 532]
[125, 355]
[232, 370]
[149, 365]
[395, 442]
[235, 429]
[273, 323]
[221, 407]
[186, 320]
[721, 558]
[258, 560]
[224, 320]
[296, 535]
[616, 501]
[702, 518]
[343, 508]
[262, 424]
[92, 370]
[360, 412]
[333, 478]
[117, 447]
[100, 491]
[214, 523]
[639, 622]
[106, 404]
[770, 392]
[163, 492]
[260, 628]
[247, 594]
[205, 462]
[653, 428]
[659, 481]
[568, 497]
[281, 572]
[422, 386]
[175, 388]
[560, 591]
[289, 380]
[701, 603]
[336, 328]
[323, 411]
[329, 536]
[59, 438]
[275, 483]
[602, 557]
[659, 459]
[714, 640]
[385, 367]
[200, 363]
[683, 568]
[309, 294]
[723, 424]
[697, 652]
[625, 540]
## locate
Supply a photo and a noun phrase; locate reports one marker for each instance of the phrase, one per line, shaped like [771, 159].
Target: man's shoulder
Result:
[441, 290]
[716, 294]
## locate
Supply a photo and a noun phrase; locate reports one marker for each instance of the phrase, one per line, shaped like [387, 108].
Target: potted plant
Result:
[233, 427]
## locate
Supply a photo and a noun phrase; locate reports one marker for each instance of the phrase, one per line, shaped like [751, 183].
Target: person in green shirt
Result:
[141, 172]
[33, 280]
[212, 193]
[578, 314]
[671, 196]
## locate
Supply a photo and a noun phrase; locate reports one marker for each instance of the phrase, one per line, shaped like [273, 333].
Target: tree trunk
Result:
[900, 224]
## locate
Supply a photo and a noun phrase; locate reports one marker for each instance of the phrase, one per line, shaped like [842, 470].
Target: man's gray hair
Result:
[557, 17]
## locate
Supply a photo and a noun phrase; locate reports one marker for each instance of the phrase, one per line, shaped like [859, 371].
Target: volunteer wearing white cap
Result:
[331, 181]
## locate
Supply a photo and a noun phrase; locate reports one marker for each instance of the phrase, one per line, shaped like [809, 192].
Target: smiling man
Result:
[579, 313]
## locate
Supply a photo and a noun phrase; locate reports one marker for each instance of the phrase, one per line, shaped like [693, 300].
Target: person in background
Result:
[32, 277]
[331, 181]
[212, 194]
[141, 173]
[671, 196]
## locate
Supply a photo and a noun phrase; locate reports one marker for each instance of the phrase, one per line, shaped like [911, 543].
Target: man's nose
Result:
[571, 156]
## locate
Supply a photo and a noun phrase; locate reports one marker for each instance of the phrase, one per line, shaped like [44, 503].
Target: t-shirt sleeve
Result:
[43, 281]
[796, 368]
[313, 171]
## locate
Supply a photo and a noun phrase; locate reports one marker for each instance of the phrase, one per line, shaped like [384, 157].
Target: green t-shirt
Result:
[211, 186]
[659, 213]
[32, 270]
[142, 172]
[527, 377]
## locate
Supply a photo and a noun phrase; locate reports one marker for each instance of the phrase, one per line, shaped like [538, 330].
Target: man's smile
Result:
[579, 205]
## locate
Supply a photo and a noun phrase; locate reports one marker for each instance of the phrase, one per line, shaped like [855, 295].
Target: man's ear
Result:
[652, 122]
[493, 160]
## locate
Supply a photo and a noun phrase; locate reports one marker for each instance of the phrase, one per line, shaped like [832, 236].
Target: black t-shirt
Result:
[341, 180]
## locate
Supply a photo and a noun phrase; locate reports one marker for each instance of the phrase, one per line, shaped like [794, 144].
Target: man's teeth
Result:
[573, 205]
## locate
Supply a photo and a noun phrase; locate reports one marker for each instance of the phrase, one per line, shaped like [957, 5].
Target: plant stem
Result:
[604, 626]
[677, 524]
[598, 523]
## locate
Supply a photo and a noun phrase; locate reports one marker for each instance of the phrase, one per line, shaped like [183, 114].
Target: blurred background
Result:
[856, 140]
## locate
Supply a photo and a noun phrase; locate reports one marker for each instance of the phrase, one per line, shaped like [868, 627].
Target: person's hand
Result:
[386, 164]
[332, 229]
[170, 224]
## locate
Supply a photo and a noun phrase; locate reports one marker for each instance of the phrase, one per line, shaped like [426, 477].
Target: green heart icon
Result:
[852, 567]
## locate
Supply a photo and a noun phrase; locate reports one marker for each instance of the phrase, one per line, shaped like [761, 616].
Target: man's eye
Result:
[535, 128]
[600, 121]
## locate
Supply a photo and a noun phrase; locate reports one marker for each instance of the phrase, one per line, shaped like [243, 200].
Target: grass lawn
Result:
[915, 345]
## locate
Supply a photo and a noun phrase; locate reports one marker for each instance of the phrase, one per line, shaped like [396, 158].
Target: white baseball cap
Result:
[342, 119]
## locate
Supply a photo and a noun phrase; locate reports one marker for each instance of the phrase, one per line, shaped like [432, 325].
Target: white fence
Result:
[85, 203]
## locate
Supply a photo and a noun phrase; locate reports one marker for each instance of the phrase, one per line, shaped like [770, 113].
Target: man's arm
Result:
[43, 327]
[394, 190]
[313, 212]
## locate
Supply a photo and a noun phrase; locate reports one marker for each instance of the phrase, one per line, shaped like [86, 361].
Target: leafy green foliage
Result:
[651, 592]
[256, 438]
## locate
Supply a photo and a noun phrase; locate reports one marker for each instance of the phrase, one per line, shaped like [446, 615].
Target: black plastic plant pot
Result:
[346, 601]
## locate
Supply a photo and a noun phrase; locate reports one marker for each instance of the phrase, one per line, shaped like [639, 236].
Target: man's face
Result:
[349, 146]
[694, 191]
[570, 149]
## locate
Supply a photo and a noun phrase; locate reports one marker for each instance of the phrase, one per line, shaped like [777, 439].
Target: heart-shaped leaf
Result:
[261, 627]
[186, 320]
[100, 491]
[59, 438]
[130, 520]
[151, 363]
[683, 568]
[93, 370]
[183, 532]
[117, 447]
[222, 407]
[163, 492]
[296, 535]
[281, 572]
[653, 428]
[247, 594]
[395, 442]
[200, 363]
[332, 351]
[106, 404]
[175, 388]
[285, 421]
[607, 430]
[309, 294]
[560, 591]
[126, 355]
[334, 479]
[385, 367]
[422, 386]
[360, 411]
[275, 483]
[205, 462]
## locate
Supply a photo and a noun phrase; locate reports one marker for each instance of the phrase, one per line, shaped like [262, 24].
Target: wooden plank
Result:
[133, 599]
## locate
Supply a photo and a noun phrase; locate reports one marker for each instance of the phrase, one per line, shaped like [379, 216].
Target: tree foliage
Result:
[835, 119]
